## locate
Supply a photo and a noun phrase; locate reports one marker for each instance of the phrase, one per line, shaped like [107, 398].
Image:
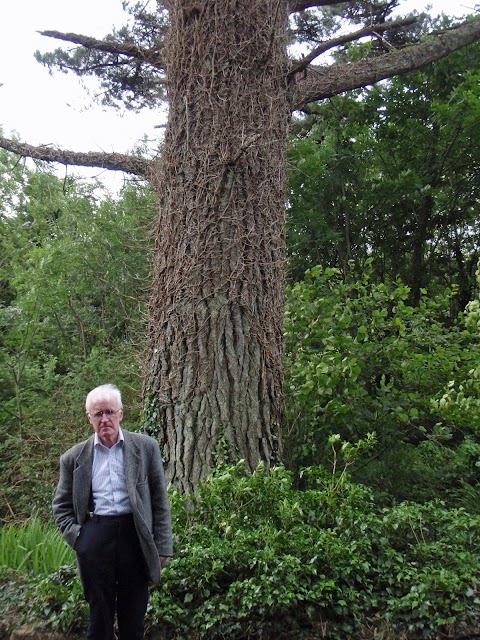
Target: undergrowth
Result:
[258, 558]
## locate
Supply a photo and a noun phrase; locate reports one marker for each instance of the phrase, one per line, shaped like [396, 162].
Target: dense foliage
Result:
[258, 558]
[360, 359]
[392, 176]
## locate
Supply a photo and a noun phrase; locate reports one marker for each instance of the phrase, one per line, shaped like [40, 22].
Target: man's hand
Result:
[163, 561]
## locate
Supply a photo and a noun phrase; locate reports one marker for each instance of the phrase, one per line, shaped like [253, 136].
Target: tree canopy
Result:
[357, 191]
[130, 62]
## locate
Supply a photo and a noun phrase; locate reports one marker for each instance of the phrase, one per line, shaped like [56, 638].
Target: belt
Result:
[121, 517]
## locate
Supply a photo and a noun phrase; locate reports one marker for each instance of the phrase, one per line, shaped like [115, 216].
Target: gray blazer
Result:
[146, 488]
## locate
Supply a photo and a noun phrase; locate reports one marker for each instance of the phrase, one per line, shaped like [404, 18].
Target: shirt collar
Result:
[96, 439]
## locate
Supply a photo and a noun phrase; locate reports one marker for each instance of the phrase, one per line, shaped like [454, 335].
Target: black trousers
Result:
[114, 577]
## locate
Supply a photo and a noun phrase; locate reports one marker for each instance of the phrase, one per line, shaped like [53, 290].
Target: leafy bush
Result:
[359, 359]
[460, 402]
[58, 599]
[257, 557]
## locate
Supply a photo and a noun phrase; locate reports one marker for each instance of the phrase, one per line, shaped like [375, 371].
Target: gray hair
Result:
[104, 392]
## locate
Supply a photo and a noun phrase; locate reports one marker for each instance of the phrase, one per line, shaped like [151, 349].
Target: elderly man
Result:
[111, 506]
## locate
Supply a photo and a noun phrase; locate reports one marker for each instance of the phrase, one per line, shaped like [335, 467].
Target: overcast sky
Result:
[44, 109]
[54, 109]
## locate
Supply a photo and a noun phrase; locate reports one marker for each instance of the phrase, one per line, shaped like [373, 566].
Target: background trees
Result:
[390, 173]
[361, 360]
[75, 285]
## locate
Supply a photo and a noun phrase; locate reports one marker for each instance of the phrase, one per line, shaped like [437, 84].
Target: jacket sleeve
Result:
[62, 504]
[162, 522]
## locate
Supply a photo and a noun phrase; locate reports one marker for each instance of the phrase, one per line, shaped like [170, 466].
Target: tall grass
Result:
[34, 547]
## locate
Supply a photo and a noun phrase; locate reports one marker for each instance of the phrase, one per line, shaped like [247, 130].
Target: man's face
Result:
[105, 416]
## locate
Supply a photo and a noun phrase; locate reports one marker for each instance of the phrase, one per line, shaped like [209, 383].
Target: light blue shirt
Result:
[110, 495]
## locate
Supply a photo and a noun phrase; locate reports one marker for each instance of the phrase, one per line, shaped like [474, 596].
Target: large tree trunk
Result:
[215, 331]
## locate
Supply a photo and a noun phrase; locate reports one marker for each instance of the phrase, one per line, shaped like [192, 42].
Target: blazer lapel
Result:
[131, 462]
[82, 479]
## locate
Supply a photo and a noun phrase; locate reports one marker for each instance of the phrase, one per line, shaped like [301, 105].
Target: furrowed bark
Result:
[215, 355]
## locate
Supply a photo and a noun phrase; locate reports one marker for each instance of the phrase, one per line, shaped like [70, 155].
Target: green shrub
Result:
[58, 599]
[257, 557]
[360, 359]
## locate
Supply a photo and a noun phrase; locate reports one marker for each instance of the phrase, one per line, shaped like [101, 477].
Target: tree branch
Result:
[152, 56]
[349, 37]
[324, 82]
[111, 161]
[301, 5]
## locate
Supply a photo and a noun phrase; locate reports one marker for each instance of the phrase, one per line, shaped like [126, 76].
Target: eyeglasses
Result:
[99, 414]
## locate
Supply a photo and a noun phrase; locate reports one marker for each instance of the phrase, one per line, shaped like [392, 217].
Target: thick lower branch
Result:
[111, 161]
[301, 5]
[320, 83]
